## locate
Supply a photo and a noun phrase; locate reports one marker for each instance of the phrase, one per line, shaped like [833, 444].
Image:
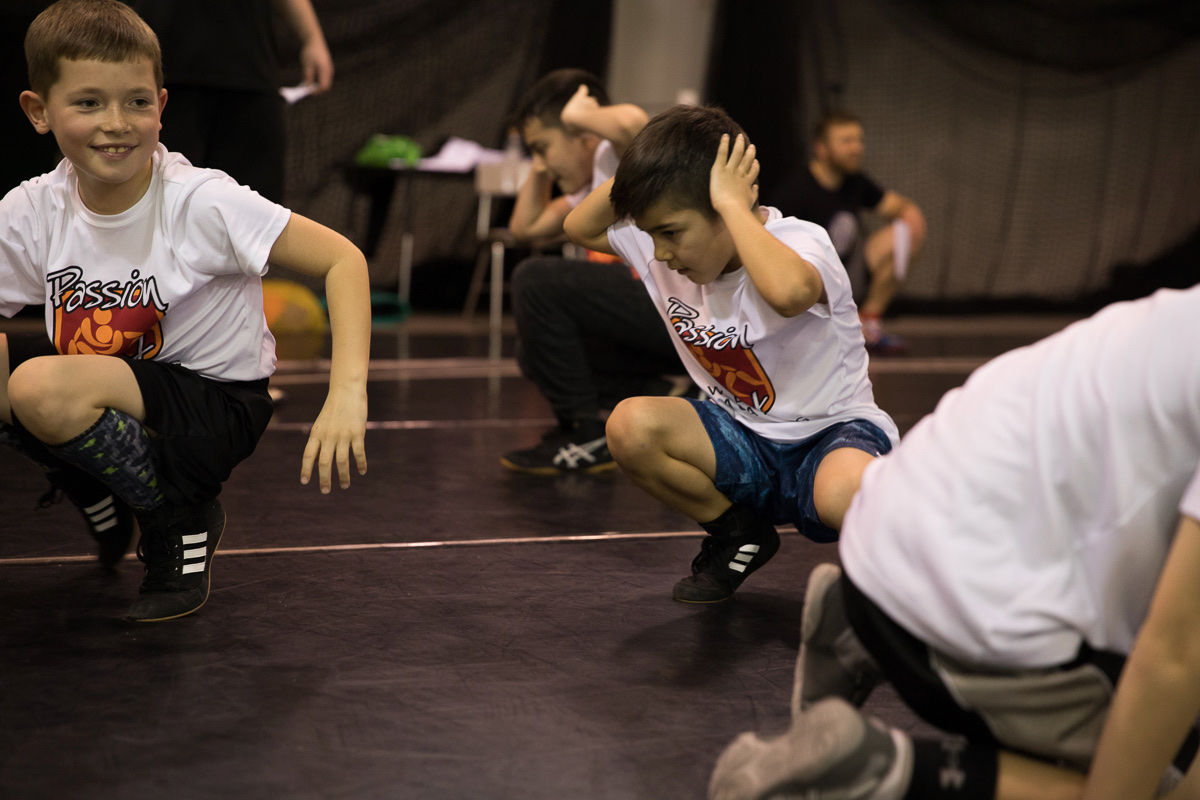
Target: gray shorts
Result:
[1054, 714]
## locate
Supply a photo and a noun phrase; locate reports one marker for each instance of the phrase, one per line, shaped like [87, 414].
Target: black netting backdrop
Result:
[1047, 142]
[426, 69]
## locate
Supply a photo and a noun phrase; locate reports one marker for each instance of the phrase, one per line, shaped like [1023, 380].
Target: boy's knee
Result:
[630, 428]
[37, 392]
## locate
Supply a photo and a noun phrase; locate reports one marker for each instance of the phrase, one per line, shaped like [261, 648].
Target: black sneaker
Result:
[723, 563]
[579, 448]
[109, 518]
[177, 546]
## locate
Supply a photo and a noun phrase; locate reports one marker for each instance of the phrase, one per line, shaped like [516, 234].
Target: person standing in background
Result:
[221, 61]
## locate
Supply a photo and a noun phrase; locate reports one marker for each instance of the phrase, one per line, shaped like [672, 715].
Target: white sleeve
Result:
[1190, 504]
[220, 227]
[623, 239]
[22, 244]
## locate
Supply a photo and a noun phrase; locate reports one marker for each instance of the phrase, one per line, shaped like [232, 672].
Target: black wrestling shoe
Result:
[580, 448]
[723, 563]
[109, 518]
[177, 546]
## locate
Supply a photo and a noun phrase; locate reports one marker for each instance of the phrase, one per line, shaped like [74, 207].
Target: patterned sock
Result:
[116, 450]
[952, 770]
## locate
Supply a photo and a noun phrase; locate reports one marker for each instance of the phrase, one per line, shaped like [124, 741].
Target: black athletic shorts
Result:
[200, 429]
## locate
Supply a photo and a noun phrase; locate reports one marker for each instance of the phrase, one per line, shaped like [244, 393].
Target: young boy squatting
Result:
[761, 313]
[153, 384]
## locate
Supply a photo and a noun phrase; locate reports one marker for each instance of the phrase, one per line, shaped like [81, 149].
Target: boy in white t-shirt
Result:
[587, 335]
[1022, 569]
[761, 314]
[153, 384]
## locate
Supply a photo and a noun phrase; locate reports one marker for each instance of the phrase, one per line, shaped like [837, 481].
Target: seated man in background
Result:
[588, 336]
[1022, 569]
[831, 192]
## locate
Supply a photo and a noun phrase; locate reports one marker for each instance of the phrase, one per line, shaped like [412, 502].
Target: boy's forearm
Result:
[588, 223]
[617, 123]
[533, 216]
[348, 292]
[1158, 696]
[788, 283]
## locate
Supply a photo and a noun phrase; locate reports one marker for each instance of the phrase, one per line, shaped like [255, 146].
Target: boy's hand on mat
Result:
[578, 107]
[339, 431]
[732, 180]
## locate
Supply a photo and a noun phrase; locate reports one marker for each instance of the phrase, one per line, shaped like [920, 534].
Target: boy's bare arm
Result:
[535, 217]
[618, 123]
[310, 248]
[1158, 696]
[788, 283]
[587, 224]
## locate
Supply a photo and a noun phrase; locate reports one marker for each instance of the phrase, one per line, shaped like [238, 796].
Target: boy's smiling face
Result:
[689, 242]
[105, 117]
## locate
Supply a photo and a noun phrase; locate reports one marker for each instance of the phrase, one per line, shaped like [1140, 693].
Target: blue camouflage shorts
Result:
[775, 479]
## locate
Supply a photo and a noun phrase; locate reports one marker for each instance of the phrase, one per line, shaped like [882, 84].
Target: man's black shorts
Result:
[200, 428]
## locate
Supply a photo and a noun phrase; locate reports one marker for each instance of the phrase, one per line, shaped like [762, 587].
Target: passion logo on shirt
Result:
[108, 318]
[725, 356]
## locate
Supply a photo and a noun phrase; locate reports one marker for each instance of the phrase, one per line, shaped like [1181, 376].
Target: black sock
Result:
[735, 522]
[116, 451]
[952, 770]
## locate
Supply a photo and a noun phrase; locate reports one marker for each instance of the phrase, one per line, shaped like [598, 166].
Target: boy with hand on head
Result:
[761, 313]
[153, 385]
[1022, 570]
[588, 336]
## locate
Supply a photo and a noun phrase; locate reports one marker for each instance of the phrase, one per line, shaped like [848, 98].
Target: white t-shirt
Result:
[1035, 506]
[175, 278]
[785, 378]
[604, 166]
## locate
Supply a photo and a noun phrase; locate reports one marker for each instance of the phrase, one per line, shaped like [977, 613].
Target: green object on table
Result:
[382, 149]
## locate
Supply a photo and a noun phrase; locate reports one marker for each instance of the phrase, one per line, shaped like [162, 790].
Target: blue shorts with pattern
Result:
[775, 479]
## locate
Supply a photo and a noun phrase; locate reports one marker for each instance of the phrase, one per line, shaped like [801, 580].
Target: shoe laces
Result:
[156, 555]
[706, 555]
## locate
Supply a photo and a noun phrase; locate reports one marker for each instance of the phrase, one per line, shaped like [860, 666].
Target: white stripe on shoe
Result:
[199, 553]
[744, 556]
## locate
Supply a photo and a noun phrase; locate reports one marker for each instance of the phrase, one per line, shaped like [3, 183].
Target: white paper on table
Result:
[294, 94]
[459, 155]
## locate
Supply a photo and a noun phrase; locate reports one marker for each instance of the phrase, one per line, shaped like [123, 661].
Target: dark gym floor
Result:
[443, 629]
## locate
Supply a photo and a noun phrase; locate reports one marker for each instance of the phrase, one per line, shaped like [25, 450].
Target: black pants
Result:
[589, 335]
[239, 133]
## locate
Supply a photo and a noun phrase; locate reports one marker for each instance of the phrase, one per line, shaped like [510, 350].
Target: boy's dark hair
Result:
[834, 116]
[672, 158]
[102, 30]
[544, 100]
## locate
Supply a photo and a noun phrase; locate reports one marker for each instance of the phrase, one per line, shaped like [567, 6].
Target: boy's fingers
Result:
[723, 150]
[360, 456]
[343, 464]
[306, 462]
[748, 158]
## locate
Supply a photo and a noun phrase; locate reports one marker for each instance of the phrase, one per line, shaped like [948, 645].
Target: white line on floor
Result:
[341, 548]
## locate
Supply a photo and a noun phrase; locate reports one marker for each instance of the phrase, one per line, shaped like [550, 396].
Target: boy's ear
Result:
[35, 108]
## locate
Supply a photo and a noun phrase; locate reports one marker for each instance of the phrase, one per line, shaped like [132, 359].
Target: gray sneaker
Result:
[832, 662]
[831, 752]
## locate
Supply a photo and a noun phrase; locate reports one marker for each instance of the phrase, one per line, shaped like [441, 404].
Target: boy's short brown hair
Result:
[102, 30]
[672, 158]
[544, 100]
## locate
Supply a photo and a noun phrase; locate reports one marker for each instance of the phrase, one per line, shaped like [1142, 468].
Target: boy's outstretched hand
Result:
[732, 180]
[339, 431]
